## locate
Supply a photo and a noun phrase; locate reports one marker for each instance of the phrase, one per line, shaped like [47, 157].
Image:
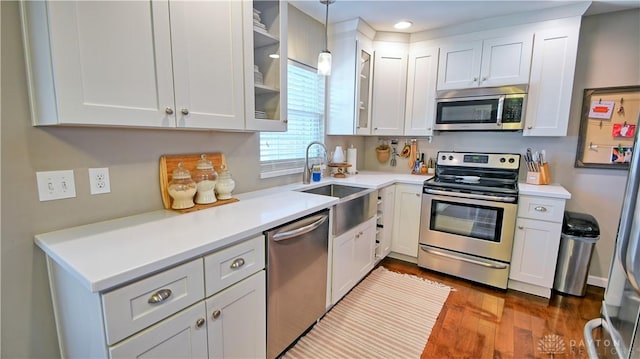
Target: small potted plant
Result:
[382, 153]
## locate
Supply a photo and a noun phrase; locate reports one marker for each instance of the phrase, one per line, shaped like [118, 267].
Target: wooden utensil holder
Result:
[543, 176]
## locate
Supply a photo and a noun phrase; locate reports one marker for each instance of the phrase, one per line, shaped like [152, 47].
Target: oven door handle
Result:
[469, 260]
[507, 199]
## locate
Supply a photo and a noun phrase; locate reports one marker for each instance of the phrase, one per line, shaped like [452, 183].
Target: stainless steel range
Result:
[468, 216]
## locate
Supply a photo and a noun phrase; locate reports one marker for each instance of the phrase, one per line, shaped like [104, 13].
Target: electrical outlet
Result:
[99, 180]
[54, 185]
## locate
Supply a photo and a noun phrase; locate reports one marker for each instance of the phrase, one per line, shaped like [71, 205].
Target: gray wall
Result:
[28, 329]
[608, 55]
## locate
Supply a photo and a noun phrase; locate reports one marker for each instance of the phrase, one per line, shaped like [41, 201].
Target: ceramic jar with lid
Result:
[182, 188]
[225, 184]
[206, 177]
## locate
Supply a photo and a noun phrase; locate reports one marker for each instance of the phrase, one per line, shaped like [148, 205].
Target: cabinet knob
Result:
[168, 110]
[159, 296]
[520, 227]
[475, 79]
[199, 322]
[484, 79]
[237, 263]
[418, 194]
[540, 209]
[529, 127]
[216, 314]
[285, 121]
[185, 111]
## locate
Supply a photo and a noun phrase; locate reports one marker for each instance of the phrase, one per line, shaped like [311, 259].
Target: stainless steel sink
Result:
[357, 204]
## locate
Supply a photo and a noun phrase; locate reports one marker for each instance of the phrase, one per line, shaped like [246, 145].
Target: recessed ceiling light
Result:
[404, 24]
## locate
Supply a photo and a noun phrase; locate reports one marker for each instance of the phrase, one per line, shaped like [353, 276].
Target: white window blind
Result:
[282, 153]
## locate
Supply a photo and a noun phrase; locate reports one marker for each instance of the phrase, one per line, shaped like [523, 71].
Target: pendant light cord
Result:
[326, 28]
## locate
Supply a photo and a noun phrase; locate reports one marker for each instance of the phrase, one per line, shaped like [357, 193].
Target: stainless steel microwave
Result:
[481, 109]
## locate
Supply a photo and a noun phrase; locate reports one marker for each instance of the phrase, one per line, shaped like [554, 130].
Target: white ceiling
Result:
[432, 14]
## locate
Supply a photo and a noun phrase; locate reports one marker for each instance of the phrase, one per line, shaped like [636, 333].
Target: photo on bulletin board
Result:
[608, 127]
[621, 154]
[623, 130]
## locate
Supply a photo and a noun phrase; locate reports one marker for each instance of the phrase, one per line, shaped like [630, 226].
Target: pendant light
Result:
[324, 59]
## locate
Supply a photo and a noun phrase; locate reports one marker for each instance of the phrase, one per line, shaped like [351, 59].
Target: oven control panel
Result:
[481, 160]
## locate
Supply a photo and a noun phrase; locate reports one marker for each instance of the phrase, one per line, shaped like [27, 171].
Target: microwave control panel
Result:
[513, 107]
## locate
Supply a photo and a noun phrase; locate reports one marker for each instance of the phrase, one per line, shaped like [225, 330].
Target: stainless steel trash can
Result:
[580, 232]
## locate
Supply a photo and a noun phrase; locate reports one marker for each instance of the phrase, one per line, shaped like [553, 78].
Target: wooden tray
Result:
[168, 163]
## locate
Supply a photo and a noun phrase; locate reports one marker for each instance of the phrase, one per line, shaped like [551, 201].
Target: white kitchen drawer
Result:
[230, 265]
[541, 208]
[136, 306]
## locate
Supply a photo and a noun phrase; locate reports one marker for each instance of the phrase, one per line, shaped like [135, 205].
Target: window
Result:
[282, 153]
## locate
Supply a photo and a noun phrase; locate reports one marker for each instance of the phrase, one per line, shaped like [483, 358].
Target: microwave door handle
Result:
[500, 108]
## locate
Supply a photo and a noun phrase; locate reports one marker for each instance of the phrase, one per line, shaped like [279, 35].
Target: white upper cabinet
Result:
[350, 83]
[485, 63]
[265, 48]
[105, 63]
[421, 92]
[207, 67]
[389, 88]
[551, 84]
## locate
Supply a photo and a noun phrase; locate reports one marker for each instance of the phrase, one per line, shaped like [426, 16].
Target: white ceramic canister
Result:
[338, 155]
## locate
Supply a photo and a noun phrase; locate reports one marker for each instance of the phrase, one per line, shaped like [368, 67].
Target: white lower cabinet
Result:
[384, 230]
[236, 323]
[535, 244]
[406, 220]
[169, 314]
[183, 335]
[353, 258]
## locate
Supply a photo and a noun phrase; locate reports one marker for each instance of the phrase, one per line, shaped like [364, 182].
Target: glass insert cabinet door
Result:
[469, 220]
[364, 89]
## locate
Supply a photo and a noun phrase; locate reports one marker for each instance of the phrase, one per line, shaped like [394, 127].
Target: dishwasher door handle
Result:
[299, 231]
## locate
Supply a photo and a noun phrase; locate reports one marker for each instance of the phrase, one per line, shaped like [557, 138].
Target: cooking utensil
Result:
[406, 150]
[413, 153]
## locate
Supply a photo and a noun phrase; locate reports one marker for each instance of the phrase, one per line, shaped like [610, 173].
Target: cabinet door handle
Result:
[520, 227]
[168, 110]
[529, 127]
[418, 194]
[199, 322]
[185, 111]
[159, 296]
[237, 263]
[216, 314]
[484, 79]
[540, 209]
[475, 79]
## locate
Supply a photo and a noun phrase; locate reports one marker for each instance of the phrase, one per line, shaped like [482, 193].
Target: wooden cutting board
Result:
[168, 163]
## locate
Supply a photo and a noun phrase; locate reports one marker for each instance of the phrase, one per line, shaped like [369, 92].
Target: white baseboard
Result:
[597, 281]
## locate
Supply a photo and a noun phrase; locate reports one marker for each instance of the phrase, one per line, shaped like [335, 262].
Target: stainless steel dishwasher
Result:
[296, 279]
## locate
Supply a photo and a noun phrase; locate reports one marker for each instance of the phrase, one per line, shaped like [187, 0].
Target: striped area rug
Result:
[387, 315]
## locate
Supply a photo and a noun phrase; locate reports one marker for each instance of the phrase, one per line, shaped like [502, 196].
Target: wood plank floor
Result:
[482, 322]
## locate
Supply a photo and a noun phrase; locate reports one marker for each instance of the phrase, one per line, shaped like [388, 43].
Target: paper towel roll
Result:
[352, 159]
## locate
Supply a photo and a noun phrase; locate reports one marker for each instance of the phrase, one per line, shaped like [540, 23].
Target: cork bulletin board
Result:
[608, 127]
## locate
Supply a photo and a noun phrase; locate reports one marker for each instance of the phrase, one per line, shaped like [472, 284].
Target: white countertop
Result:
[107, 254]
[549, 190]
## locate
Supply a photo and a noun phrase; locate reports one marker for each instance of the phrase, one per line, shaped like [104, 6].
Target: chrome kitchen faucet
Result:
[306, 175]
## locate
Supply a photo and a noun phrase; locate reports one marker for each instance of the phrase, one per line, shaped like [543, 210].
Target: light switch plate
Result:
[54, 185]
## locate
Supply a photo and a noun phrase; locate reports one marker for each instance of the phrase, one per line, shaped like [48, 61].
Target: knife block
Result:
[541, 177]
